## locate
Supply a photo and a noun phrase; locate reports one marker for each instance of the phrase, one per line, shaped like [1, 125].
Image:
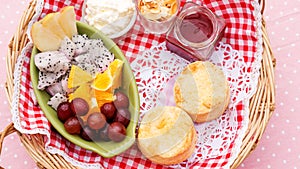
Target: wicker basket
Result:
[262, 104]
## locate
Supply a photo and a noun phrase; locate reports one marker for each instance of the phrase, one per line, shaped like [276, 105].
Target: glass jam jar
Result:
[195, 32]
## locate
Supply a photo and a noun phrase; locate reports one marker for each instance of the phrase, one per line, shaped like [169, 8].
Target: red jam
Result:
[196, 28]
[195, 33]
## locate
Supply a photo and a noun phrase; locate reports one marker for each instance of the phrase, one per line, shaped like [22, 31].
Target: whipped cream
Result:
[109, 16]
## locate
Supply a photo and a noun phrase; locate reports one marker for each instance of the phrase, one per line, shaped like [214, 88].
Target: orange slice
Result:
[78, 77]
[111, 78]
[103, 81]
[115, 69]
[103, 97]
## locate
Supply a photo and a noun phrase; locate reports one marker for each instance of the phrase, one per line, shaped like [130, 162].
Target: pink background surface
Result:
[279, 146]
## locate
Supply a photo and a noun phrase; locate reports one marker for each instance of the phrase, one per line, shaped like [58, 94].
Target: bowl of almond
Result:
[83, 84]
[157, 16]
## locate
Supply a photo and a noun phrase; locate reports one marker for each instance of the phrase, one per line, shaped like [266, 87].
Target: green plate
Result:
[105, 149]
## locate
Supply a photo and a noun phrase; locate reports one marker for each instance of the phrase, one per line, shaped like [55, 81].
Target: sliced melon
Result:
[43, 38]
[67, 20]
[50, 22]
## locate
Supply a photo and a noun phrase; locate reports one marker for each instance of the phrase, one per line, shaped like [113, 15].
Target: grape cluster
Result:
[109, 124]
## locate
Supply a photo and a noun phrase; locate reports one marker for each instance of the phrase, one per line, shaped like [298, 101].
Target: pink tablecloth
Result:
[277, 148]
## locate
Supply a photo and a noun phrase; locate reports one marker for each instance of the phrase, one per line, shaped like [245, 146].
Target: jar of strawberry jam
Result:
[195, 32]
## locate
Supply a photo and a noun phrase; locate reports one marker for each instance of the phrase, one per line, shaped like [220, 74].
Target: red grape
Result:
[103, 134]
[64, 111]
[108, 110]
[72, 125]
[87, 133]
[121, 100]
[116, 131]
[96, 120]
[123, 116]
[79, 106]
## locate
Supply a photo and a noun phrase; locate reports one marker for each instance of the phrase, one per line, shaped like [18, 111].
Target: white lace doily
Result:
[155, 70]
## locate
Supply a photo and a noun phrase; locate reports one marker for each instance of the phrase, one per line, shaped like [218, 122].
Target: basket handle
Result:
[262, 4]
[9, 129]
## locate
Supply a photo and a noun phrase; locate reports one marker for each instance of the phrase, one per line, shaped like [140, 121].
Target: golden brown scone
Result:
[167, 135]
[202, 91]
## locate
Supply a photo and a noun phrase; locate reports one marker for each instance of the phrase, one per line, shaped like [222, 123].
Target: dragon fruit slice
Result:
[96, 48]
[94, 44]
[99, 54]
[60, 86]
[80, 41]
[103, 59]
[83, 58]
[64, 84]
[89, 67]
[86, 63]
[68, 47]
[51, 61]
[56, 100]
[49, 78]
[55, 88]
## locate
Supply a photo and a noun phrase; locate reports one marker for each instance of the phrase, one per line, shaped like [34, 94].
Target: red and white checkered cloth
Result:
[241, 34]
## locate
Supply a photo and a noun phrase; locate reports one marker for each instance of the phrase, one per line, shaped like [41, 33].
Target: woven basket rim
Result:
[262, 104]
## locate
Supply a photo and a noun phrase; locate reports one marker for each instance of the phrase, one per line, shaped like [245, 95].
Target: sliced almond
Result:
[173, 8]
[168, 3]
[155, 10]
[159, 9]
[141, 4]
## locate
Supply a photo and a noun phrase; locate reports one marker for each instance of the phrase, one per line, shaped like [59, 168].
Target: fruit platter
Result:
[149, 83]
[76, 96]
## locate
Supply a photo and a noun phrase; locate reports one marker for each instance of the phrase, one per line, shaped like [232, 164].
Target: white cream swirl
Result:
[109, 16]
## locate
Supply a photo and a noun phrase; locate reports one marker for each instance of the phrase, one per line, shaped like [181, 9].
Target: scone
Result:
[202, 91]
[167, 135]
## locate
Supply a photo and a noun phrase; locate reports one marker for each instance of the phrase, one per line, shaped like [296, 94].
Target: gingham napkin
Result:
[241, 34]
